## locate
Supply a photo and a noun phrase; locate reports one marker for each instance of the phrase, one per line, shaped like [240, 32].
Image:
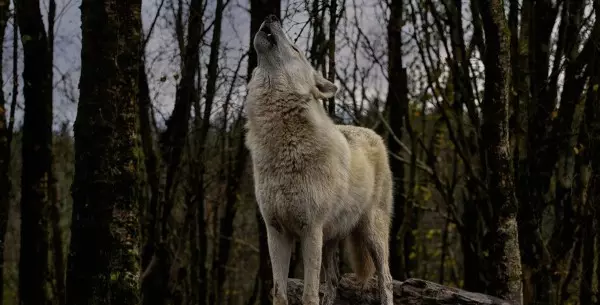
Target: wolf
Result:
[317, 182]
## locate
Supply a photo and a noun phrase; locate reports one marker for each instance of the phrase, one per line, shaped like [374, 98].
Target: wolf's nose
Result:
[271, 18]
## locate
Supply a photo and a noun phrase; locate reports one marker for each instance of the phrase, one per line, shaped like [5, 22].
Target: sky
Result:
[162, 56]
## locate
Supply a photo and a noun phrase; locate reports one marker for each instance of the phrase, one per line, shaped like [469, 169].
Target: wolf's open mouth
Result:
[270, 36]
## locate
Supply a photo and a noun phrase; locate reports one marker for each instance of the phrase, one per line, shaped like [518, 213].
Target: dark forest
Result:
[124, 178]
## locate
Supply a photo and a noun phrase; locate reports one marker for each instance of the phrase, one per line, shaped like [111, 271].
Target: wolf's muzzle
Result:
[266, 28]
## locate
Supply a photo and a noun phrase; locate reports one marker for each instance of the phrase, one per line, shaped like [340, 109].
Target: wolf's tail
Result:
[360, 258]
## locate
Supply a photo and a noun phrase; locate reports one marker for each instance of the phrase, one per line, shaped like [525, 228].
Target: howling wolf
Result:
[315, 181]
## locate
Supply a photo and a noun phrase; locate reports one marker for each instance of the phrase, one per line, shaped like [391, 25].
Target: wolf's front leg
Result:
[312, 243]
[280, 249]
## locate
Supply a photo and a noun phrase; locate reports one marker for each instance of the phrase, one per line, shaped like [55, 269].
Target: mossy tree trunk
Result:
[4, 152]
[103, 265]
[34, 284]
[504, 256]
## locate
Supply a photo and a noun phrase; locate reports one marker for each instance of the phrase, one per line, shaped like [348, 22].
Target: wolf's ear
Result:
[324, 88]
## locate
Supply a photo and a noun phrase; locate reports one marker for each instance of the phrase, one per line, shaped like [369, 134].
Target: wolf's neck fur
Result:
[275, 113]
[289, 127]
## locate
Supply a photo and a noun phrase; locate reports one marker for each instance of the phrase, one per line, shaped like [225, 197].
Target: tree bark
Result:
[410, 292]
[548, 150]
[157, 261]
[504, 254]
[34, 285]
[103, 260]
[58, 256]
[259, 10]
[587, 259]
[331, 53]
[537, 17]
[591, 151]
[5, 153]
[397, 101]
[172, 140]
[151, 165]
[225, 225]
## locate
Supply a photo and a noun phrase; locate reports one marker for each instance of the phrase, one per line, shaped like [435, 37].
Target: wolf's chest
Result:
[297, 208]
[285, 152]
[289, 204]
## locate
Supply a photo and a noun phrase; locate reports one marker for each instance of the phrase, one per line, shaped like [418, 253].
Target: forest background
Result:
[123, 169]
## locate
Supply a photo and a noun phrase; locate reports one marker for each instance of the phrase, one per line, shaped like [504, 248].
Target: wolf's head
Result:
[282, 66]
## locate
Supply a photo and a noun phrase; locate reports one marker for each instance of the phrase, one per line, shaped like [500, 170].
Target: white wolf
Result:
[315, 181]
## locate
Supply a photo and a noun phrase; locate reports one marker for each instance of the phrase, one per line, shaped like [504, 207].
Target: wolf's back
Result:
[368, 142]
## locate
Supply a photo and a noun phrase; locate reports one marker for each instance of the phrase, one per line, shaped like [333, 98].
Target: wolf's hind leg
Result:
[312, 243]
[280, 249]
[376, 234]
[330, 272]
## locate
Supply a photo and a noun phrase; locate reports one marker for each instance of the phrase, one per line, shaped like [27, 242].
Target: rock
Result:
[409, 292]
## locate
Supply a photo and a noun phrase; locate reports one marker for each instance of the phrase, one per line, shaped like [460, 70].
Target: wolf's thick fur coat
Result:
[315, 181]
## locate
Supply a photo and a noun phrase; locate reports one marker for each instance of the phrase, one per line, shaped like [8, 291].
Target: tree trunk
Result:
[151, 210]
[504, 253]
[157, 262]
[522, 83]
[173, 139]
[34, 282]
[58, 255]
[397, 101]
[151, 164]
[331, 53]
[226, 228]
[597, 253]
[222, 253]
[103, 260]
[537, 17]
[591, 144]
[58, 258]
[259, 10]
[548, 147]
[472, 245]
[5, 183]
[587, 260]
